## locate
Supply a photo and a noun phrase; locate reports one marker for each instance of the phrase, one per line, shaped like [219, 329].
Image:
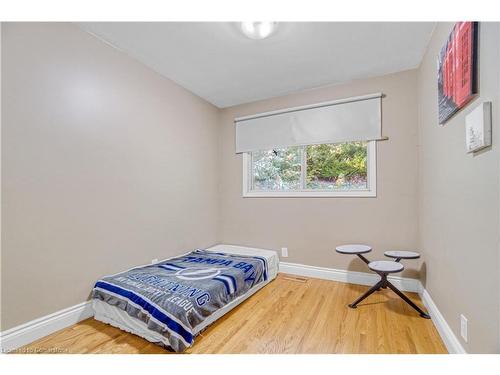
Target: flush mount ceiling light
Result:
[258, 30]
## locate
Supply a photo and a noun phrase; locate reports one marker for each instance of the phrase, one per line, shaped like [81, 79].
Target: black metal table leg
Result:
[374, 288]
[360, 256]
[408, 301]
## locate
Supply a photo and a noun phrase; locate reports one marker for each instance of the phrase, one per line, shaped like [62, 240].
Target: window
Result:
[326, 149]
[324, 170]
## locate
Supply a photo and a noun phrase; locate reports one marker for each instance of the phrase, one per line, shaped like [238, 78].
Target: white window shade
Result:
[346, 120]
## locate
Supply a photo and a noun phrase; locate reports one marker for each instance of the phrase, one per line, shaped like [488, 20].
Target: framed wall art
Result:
[458, 70]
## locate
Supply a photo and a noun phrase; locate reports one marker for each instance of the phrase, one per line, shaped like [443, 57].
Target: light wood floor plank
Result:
[287, 316]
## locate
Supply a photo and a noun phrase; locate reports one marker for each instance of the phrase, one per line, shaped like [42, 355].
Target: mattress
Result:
[119, 318]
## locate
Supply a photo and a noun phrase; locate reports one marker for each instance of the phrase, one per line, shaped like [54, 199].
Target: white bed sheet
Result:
[120, 319]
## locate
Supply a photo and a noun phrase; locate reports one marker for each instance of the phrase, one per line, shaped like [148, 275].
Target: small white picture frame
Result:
[478, 128]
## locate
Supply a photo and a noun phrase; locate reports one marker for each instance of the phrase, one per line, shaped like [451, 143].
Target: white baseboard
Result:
[405, 284]
[450, 340]
[26, 333]
[344, 276]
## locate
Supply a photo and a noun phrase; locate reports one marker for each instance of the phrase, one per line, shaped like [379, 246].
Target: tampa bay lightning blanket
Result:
[174, 296]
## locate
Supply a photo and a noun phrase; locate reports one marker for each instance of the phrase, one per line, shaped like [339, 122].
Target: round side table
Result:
[383, 268]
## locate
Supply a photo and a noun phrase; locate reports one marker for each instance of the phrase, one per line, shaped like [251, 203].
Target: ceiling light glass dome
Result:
[258, 30]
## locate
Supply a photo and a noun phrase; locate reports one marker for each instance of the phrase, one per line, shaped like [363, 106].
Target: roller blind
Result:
[345, 120]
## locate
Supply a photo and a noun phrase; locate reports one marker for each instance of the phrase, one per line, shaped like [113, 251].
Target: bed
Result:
[170, 302]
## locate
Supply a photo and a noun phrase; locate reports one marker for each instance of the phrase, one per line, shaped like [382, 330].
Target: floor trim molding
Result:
[404, 283]
[344, 276]
[450, 340]
[23, 334]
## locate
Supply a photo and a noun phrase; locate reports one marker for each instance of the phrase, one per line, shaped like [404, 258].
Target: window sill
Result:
[310, 194]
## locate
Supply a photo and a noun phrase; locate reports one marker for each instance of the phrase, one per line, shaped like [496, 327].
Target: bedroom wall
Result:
[0, 173]
[105, 165]
[312, 227]
[459, 200]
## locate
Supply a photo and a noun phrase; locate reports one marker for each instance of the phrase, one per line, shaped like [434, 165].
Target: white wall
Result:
[0, 173]
[312, 227]
[459, 200]
[105, 165]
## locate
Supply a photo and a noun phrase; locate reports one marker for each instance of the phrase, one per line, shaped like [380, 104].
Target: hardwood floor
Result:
[287, 316]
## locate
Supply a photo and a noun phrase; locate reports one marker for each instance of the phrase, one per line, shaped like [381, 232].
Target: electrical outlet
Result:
[284, 252]
[153, 261]
[463, 327]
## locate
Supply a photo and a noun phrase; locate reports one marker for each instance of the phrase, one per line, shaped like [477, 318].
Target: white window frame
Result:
[371, 191]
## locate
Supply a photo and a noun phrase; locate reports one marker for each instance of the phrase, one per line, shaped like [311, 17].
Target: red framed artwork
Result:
[457, 70]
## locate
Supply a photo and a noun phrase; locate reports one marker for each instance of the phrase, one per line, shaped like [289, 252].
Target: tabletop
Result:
[353, 249]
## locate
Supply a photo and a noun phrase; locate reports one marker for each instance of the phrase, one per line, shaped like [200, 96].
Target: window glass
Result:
[278, 169]
[340, 166]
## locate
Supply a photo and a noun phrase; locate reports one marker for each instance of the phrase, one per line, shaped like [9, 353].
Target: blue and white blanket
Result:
[174, 296]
